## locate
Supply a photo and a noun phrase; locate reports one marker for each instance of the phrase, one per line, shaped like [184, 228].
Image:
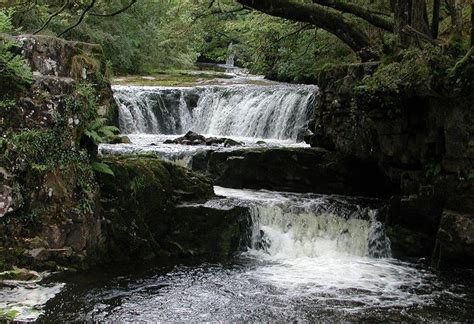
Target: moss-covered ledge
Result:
[136, 202]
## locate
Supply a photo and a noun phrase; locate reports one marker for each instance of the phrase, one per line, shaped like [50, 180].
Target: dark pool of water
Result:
[251, 288]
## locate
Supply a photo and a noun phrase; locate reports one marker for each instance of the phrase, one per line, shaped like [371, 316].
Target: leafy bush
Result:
[411, 71]
[15, 75]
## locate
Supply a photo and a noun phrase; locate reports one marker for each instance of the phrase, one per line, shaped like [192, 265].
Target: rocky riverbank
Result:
[61, 205]
[421, 136]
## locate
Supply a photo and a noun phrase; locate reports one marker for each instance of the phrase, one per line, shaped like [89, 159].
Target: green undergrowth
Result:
[432, 71]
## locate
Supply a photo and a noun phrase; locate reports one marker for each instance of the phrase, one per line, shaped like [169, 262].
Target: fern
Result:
[98, 132]
[102, 168]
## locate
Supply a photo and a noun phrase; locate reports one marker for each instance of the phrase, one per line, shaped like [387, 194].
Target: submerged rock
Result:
[192, 138]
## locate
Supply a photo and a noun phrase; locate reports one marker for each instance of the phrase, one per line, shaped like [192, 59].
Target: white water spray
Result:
[274, 112]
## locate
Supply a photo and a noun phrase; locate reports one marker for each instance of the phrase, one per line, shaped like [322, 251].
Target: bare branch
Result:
[116, 12]
[81, 18]
[46, 23]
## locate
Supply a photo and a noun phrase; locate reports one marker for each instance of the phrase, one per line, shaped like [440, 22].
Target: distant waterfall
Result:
[230, 61]
[277, 112]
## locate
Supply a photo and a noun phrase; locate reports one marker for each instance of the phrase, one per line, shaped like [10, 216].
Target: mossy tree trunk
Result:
[418, 16]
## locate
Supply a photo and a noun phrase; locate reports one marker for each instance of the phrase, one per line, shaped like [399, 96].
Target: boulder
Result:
[136, 202]
[207, 232]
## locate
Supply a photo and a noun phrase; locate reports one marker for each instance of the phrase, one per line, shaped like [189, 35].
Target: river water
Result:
[309, 257]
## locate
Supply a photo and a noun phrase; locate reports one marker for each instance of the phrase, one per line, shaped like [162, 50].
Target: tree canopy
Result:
[285, 39]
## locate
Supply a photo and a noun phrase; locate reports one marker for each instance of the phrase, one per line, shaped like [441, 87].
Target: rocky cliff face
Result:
[55, 211]
[423, 141]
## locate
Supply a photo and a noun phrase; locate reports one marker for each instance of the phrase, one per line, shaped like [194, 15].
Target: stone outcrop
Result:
[60, 206]
[422, 140]
[136, 205]
[49, 193]
[293, 169]
[192, 138]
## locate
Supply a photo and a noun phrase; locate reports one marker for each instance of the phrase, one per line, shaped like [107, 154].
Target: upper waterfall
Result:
[279, 111]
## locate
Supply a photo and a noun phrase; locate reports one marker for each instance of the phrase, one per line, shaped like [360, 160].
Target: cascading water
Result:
[306, 257]
[275, 112]
[310, 258]
[230, 61]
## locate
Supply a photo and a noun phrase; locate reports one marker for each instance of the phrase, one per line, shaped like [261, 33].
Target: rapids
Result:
[308, 258]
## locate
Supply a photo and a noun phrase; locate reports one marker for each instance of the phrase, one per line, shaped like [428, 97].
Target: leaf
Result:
[96, 138]
[108, 131]
[470, 175]
[102, 168]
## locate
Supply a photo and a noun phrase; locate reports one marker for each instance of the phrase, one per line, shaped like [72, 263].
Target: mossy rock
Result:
[206, 232]
[117, 139]
[408, 243]
[19, 274]
[136, 200]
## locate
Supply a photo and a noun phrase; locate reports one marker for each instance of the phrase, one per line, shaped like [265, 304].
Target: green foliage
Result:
[432, 170]
[15, 75]
[6, 25]
[98, 132]
[470, 175]
[102, 168]
[411, 71]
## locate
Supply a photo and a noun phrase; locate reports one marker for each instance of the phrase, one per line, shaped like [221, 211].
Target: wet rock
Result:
[192, 138]
[117, 139]
[205, 232]
[230, 142]
[137, 200]
[20, 274]
[455, 240]
[293, 169]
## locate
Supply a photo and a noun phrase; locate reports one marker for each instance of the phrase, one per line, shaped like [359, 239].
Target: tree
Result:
[472, 23]
[320, 16]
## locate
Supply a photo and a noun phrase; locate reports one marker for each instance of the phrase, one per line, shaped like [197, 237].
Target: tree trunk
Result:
[435, 20]
[418, 22]
[401, 20]
[319, 16]
[454, 7]
[358, 11]
[472, 23]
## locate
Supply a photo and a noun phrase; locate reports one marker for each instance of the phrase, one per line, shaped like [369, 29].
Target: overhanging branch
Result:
[118, 12]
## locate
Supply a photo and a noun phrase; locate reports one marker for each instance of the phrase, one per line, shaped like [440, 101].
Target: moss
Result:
[171, 78]
[136, 201]
[8, 314]
[19, 274]
[413, 70]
